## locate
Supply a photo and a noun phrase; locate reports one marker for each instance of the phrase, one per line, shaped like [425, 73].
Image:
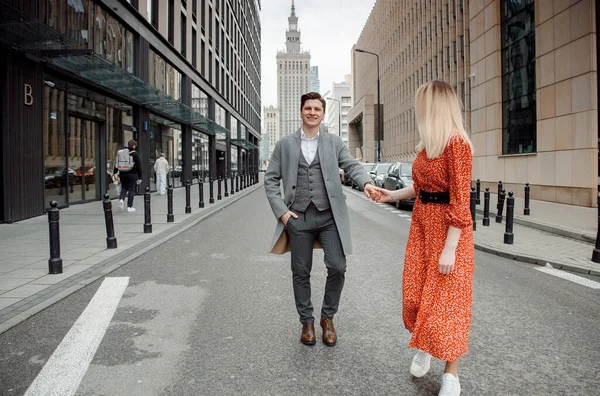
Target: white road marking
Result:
[68, 364]
[570, 277]
[396, 211]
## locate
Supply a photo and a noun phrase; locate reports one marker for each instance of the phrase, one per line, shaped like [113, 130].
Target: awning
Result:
[19, 30]
[101, 72]
[245, 144]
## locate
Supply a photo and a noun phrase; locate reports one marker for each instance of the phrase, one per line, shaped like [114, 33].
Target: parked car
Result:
[367, 167]
[56, 177]
[399, 176]
[378, 172]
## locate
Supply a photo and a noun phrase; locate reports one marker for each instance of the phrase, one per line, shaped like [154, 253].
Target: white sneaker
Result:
[121, 204]
[450, 385]
[131, 209]
[420, 364]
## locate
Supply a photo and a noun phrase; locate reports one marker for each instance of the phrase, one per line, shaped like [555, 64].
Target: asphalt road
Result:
[212, 313]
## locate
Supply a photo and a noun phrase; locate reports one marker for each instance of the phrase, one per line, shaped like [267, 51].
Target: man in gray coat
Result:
[313, 212]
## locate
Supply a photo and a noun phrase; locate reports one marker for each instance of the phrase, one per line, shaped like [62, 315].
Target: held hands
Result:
[447, 259]
[286, 217]
[382, 195]
[372, 192]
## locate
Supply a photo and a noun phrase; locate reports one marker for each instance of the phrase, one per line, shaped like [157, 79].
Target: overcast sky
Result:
[329, 29]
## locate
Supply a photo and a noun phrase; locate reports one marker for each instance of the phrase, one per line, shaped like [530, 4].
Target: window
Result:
[210, 22]
[518, 77]
[183, 35]
[171, 22]
[202, 16]
[164, 76]
[194, 48]
[202, 59]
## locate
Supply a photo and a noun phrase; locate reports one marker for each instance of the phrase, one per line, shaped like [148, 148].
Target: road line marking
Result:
[396, 211]
[570, 277]
[68, 364]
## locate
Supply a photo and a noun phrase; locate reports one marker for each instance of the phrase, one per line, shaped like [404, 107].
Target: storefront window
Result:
[234, 160]
[78, 125]
[200, 157]
[164, 76]
[166, 137]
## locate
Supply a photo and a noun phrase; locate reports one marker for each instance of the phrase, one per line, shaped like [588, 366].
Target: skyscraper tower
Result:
[293, 77]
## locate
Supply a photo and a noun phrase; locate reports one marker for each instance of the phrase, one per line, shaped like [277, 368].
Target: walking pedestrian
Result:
[313, 212]
[161, 167]
[440, 254]
[129, 167]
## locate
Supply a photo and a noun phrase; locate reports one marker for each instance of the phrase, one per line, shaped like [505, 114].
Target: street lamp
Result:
[378, 105]
[339, 115]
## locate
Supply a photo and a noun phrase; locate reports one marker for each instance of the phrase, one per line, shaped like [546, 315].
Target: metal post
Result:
[219, 196]
[486, 207]
[237, 183]
[501, 198]
[232, 185]
[201, 193]
[510, 213]
[170, 216]
[188, 199]
[211, 193]
[379, 121]
[526, 211]
[147, 212]
[473, 200]
[111, 241]
[226, 186]
[478, 200]
[499, 191]
[55, 262]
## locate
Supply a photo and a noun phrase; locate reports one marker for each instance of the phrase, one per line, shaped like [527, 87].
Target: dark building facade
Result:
[80, 78]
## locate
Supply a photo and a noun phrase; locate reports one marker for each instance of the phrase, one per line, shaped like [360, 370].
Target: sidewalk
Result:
[558, 234]
[25, 285]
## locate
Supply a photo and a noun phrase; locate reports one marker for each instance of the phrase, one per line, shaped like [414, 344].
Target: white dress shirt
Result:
[309, 146]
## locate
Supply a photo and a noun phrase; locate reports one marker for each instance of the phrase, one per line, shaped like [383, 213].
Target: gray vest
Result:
[310, 186]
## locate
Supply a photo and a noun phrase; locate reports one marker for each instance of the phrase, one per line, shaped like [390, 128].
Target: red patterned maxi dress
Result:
[436, 308]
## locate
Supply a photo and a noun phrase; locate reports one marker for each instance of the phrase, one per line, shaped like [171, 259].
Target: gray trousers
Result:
[303, 232]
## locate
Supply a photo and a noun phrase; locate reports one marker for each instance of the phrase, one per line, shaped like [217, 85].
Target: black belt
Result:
[434, 197]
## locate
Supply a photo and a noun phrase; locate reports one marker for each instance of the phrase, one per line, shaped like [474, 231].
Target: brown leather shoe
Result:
[329, 334]
[308, 334]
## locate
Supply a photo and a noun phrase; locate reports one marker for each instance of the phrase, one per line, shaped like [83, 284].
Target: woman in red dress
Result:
[440, 254]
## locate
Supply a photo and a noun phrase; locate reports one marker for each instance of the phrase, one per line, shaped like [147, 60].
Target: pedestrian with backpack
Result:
[128, 165]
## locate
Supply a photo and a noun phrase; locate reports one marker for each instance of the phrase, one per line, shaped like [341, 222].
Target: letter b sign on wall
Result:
[28, 95]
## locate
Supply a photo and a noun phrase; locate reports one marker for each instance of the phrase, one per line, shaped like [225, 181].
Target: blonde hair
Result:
[438, 112]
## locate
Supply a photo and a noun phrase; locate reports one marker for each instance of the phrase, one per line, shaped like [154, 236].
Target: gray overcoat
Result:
[283, 167]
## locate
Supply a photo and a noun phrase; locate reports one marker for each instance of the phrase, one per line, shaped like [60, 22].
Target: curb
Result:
[537, 261]
[18, 312]
[549, 228]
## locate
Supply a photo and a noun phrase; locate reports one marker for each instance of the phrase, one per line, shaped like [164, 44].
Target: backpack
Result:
[124, 161]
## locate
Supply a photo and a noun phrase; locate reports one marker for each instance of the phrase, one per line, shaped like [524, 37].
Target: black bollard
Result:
[147, 212]
[232, 186]
[170, 216]
[55, 265]
[237, 183]
[486, 207]
[211, 193]
[510, 212]
[201, 194]
[473, 207]
[219, 196]
[111, 240]
[526, 211]
[501, 196]
[188, 199]
[499, 191]
[226, 187]
[242, 182]
[478, 200]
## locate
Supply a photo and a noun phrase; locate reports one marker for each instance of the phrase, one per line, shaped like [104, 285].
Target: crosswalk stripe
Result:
[570, 277]
[65, 369]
